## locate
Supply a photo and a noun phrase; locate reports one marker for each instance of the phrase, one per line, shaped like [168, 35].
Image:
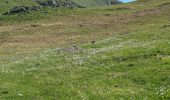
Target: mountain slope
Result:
[120, 52]
[5, 5]
[95, 3]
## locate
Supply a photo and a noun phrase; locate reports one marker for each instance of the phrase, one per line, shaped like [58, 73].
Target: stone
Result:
[20, 9]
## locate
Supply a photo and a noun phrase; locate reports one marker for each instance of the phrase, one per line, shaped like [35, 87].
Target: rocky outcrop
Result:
[58, 3]
[51, 3]
[19, 9]
[111, 2]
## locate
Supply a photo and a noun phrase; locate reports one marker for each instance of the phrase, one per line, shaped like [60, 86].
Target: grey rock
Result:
[20, 9]
[49, 3]
[58, 3]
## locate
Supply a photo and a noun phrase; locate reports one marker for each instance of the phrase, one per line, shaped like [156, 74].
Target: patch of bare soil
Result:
[57, 30]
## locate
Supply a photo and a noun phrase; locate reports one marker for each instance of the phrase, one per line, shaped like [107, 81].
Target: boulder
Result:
[73, 5]
[35, 8]
[20, 9]
[53, 3]
[49, 3]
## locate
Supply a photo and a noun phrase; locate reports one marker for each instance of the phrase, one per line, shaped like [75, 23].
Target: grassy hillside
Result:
[92, 3]
[5, 5]
[50, 55]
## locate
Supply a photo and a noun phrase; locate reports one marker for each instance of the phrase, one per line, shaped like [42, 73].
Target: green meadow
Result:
[120, 52]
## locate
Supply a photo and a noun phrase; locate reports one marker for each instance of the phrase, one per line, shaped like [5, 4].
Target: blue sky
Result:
[126, 0]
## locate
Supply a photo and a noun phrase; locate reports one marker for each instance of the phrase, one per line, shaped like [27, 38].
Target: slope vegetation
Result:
[95, 3]
[5, 5]
[115, 53]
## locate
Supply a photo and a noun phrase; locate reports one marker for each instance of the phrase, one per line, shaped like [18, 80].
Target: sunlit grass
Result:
[54, 58]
